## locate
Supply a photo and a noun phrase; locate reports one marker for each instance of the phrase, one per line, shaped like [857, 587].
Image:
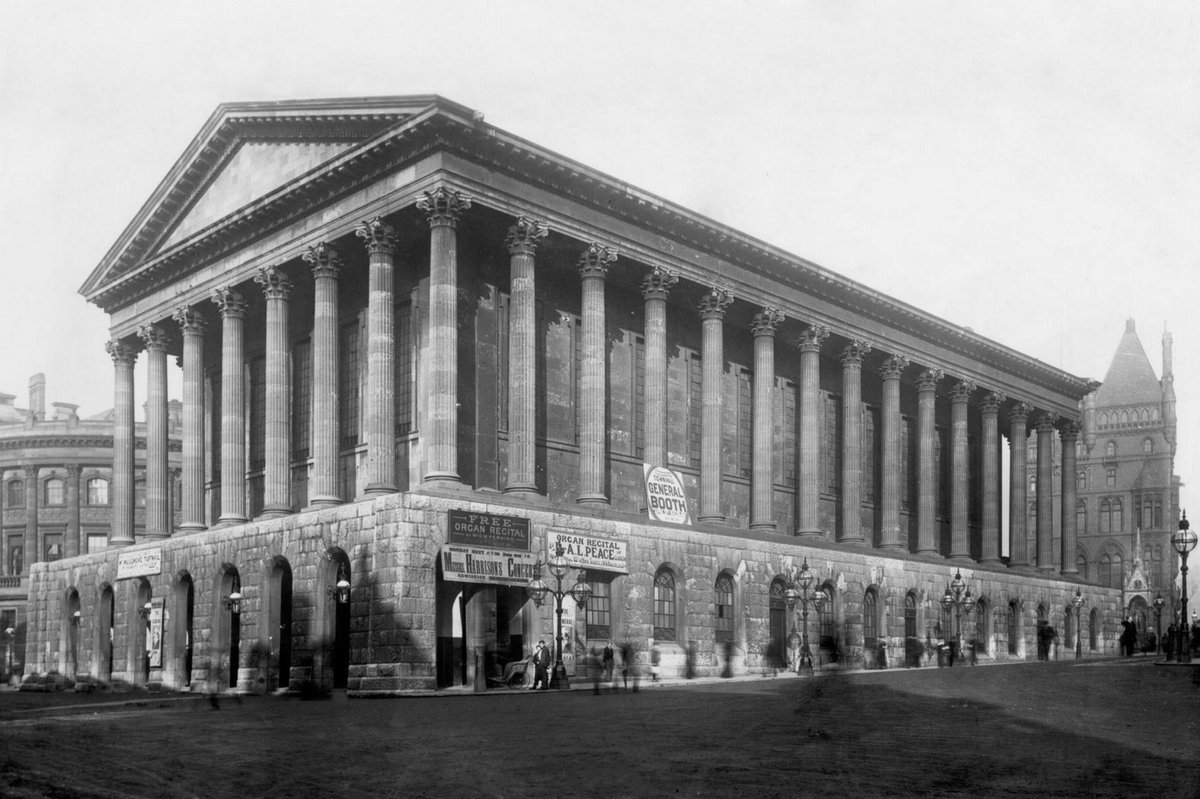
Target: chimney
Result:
[37, 396]
[65, 412]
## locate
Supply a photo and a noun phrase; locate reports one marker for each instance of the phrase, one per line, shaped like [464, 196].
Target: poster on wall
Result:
[139, 563]
[586, 551]
[481, 565]
[665, 499]
[154, 634]
[487, 530]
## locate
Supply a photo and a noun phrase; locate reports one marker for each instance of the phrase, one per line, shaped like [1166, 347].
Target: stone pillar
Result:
[889, 469]
[73, 545]
[326, 267]
[121, 531]
[654, 290]
[712, 367]
[1045, 491]
[158, 521]
[522, 241]
[233, 408]
[1018, 543]
[192, 325]
[380, 239]
[762, 472]
[960, 472]
[1069, 434]
[852, 426]
[809, 483]
[990, 474]
[927, 481]
[34, 549]
[442, 207]
[593, 267]
[277, 422]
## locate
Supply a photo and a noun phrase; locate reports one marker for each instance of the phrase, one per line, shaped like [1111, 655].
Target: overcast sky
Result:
[1028, 169]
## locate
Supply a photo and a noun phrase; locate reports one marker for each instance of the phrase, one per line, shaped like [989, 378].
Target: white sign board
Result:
[154, 635]
[142, 563]
[584, 551]
[467, 564]
[665, 499]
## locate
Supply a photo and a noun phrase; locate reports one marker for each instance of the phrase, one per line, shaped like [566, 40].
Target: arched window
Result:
[910, 616]
[980, 632]
[1147, 446]
[54, 491]
[97, 491]
[1112, 515]
[825, 626]
[870, 619]
[1112, 572]
[16, 494]
[1081, 480]
[1081, 565]
[1014, 627]
[1110, 449]
[1080, 516]
[664, 606]
[724, 608]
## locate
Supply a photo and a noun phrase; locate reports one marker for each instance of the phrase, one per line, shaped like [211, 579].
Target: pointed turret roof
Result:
[1130, 379]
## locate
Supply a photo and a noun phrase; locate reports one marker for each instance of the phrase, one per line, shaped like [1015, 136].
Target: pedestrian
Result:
[628, 666]
[541, 659]
[689, 663]
[654, 655]
[593, 665]
[608, 662]
[1128, 637]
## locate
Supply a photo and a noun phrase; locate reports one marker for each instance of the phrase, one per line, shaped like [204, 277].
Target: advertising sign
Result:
[494, 566]
[487, 530]
[154, 634]
[585, 551]
[665, 499]
[142, 563]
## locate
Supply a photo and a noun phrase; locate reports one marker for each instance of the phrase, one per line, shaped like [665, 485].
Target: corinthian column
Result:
[35, 549]
[654, 290]
[192, 325]
[123, 356]
[712, 366]
[158, 521]
[762, 472]
[523, 239]
[1069, 433]
[809, 484]
[1045, 491]
[326, 267]
[72, 543]
[852, 476]
[889, 470]
[960, 472]
[442, 207]
[380, 239]
[277, 428]
[927, 481]
[990, 471]
[593, 267]
[233, 412]
[1018, 543]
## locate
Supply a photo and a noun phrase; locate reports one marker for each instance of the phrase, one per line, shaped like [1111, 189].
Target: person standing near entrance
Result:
[541, 660]
[608, 662]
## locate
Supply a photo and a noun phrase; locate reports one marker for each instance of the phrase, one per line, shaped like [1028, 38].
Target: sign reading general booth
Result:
[584, 551]
[487, 530]
[143, 563]
[665, 499]
[479, 565]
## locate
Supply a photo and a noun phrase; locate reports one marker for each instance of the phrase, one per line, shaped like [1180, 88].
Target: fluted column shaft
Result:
[1045, 492]
[990, 474]
[1018, 542]
[380, 420]
[1069, 433]
[192, 325]
[808, 513]
[277, 427]
[121, 532]
[323, 447]
[34, 547]
[712, 366]
[523, 238]
[654, 291]
[927, 480]
[889, 492]
[71, 545]
[233, 412]
[960, 472]
[762, 471]
[593, 267]
[158, 522]
[852, 473]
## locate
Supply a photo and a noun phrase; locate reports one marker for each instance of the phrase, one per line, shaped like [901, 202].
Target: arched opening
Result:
[105, 630]
[777, 612]
[1094, 630]
[226, 629]
[912, 641]
[71, 620]
[183, 610]
[1043, 638]
[1014, 628]
[139, 652]
[873, 656]
[829, 633]
[339, 633]
[981, 628]
[279, 625]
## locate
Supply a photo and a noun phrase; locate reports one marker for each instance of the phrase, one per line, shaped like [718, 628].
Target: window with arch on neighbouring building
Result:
[1148, 446]
[870, 619]
[97, 491]
[724, 608]
[1110, 449]
[54, 491]
[16, 494]
[1112, 515]
[664, 606]
[1112, 571]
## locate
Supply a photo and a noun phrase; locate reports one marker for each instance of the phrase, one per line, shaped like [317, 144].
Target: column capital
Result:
[443, 206]
[377, 235]
[230, 303]
[274, 282]
[324, 260]
[962, 391]
[31, 472]
[189, 319]
[595, 260]
[120, 351]
[658, 283]
[1069, 430]
[853, 353]
[153, 337]
[713, 304]
[928, 379]
[766, 321]
[1047, 422]
[1020, 412]
[73, 470]
[893, 366]
[812, 338]
[525, 234]
[991, 402]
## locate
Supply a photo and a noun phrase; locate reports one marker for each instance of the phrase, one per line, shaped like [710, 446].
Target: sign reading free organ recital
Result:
[665, 499]
[487, 548]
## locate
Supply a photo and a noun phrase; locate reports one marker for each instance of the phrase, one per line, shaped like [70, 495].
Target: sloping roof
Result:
[1130, 379]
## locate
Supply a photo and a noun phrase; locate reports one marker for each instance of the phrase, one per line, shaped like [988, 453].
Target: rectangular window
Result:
[939, 443]
[695, 407]
[406, 377]
[96, 542]
[626, 431]
[214, 416]
[745, 422]
[561, 347]
[870, 452]
[683, 408]
[831, 443]
[257, 368]
[906, 486]
[787, 426]
[724, 610]
[301, 399]
[1110, 477]
[348, 385]
[599, 608]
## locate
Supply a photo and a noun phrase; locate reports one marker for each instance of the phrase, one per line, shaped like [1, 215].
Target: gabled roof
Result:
[1130, 379]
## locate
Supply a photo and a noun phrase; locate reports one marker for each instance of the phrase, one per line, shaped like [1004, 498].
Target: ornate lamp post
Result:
[793, 595]
[1078, 603]
[1184, 541]
[958, 596]
[1158, 606]
[581, 592]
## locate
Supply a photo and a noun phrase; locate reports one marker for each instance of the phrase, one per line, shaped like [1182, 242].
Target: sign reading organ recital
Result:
[584, 551]
[487, 530]
[487, 548]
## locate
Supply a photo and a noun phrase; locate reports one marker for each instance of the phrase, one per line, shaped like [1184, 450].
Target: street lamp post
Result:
[958, 596]
[1184, 541]
[1158, 606]
[581, 592]
[11, 633]
[1078, 603]
[793, 595]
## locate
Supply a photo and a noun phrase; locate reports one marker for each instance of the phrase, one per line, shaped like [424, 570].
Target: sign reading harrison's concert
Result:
[487, 530]
[479, 565]
[589, 551]
[142, 563]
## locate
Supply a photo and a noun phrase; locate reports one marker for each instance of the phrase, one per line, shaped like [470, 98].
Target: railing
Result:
[10, 581]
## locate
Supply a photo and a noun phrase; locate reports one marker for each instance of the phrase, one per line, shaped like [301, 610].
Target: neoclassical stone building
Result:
[418, 352]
